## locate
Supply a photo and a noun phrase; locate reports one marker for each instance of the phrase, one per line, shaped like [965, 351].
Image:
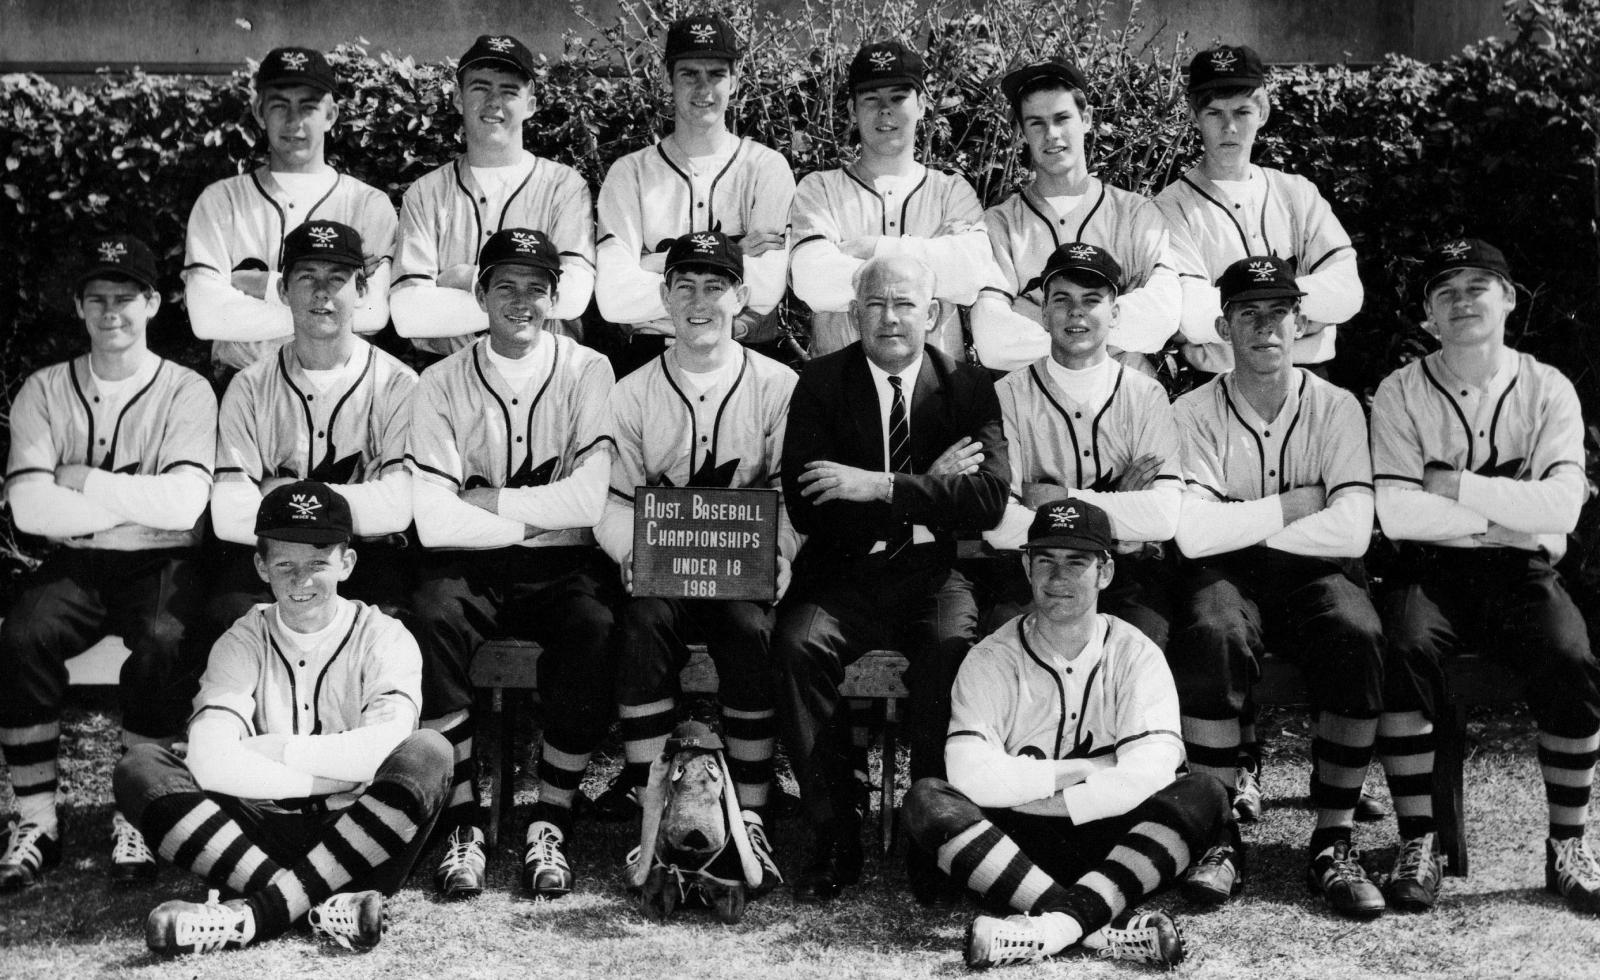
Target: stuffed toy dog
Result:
[693, 848]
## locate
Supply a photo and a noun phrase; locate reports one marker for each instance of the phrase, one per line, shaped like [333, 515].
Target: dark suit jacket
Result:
[834, 415]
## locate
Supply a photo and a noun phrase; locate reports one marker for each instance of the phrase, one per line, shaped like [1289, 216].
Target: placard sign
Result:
[704, 543]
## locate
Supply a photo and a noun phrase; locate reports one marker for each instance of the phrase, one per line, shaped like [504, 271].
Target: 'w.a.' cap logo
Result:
[322, 235]
[304, 506]
[704, 242]
[1456, 250]
[111, 251]
[1062, 518]
[293, 60]
[703, 33]
[501, 44]
[882, 60]
[1263, 271]
[1223, 59]
[525, 240]
[1081, 251]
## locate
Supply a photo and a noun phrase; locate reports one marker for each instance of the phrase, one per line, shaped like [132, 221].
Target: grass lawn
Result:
[1498, 923]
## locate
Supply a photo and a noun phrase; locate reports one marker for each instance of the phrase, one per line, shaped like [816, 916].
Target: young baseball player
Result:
[707, 413]
[1478, 458]
[1049, 105]
[1226, 208]
[307, 790]
[1081, 426]
[111, 461]
[449, 214]
[510, 460]
[1066, 808]
[700, 177]
[327, 406]
[887, 204]
[234, 252]
[1276, 517]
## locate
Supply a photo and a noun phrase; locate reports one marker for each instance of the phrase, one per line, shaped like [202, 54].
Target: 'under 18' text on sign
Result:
[699, 543]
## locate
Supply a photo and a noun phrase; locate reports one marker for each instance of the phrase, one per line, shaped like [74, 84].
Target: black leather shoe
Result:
[930, 886]
[835, 864]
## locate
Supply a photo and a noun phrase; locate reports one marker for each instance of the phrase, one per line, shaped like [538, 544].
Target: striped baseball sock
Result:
[982, 858]
[560, 773]
[372, 830]
[1568, 768]
[1212, 745]
[1341, 751]
[645, 728]
[1405, 747]
[461, 807]
[191, 831]
[30, 751]
[749, 736]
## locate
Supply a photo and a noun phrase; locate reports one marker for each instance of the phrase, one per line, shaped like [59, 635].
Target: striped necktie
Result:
[899, 461]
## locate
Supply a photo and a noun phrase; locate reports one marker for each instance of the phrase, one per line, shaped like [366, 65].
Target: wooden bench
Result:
[502, 665]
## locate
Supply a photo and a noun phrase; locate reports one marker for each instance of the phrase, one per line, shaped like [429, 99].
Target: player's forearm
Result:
[1333, 291]
[614, 532]
[352, 756]
[220, 763]
[1206, 527]
[1140, 515]
[1343, 529]
[1413, 514]
[576, 289]
[373, 313]
[217, 311]
[44, 508]
[423, 309]
[1005, 339]
[766, 275]
[382, 506]
[168, 502]
[1202, 305]
[444, 520]
[626, 292]
[1547, 506]
[574, 501]
[1012, 531]
[989, 777]
[233, 510]
[962, 263]
[822, 275]
[1147, 766]
[1150, 314]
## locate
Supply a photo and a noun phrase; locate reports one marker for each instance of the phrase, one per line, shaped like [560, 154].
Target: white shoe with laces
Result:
[756, 830]
[354, 920]
[1571, 871]
[461, 871]
[545, 871]
[177, 927]
[131, 858]
[993, 941]
[1148, 937]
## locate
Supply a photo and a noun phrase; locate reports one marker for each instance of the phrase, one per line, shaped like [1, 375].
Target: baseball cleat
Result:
[757, 832]
[1215, 878]
[1337, 875]
[993, 941]
[1247, 795]
[131, 859]
[1571, 871]
[545, 871]
[354, 920]
[1413, 885]
[29, 853]
[1146, 937]
[177, 927]
[461, 871]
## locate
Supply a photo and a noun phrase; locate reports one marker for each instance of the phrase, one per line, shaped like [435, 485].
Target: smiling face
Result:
[494, 104]
[1262, 333]
[304, 579]
[297, 119]
[1079, 317]
[701, 90]
[1066, 583]
[1053, 124]
[1470, 306]
[702, 305]
[116, 313]
[322, 297]
[895, 311]
[518, 300]
[887, 118]
[1228, 127]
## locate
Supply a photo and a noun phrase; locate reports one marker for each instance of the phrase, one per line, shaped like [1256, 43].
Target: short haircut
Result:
[926, 281]
[710, 270]
[1199, 100]
[145, 289]
[261, 545]
[1047, 84]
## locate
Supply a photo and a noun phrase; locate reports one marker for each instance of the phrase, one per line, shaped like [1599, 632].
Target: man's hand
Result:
[72, 475]
[1442, 480]
[758, 241]
[627, 576]
[252, 282]
[785, 573]
[270, 746]
[462, 276]
[1505, 537]
[484, 498]
[272, 483]
[1140, 474]
[825, 480]
[1301, 502]
[1036, 495]
[955, 226]
[859, 248]
[654, 262]
[961, 459]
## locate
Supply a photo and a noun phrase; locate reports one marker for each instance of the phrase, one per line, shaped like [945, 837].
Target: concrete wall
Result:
[72, 37]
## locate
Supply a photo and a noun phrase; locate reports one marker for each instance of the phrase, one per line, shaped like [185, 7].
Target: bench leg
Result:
[886, 807]
[495, 759]
[1449, 808]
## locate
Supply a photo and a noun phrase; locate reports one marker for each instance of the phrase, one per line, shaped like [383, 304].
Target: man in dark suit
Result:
[892, 449]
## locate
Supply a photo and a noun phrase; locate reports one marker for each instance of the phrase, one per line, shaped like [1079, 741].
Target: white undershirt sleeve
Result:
[1142, 769]
[353, 756]
[1547, 506]
[42, 507]
[233, 510]
[1413, 514]
[444, 520]
[169, 502]
[822, 275]
[220, 763]
[381, 506]
[1343, 529]
[986, 775]
[1005, 339]
[373, 313]
[1207, 527]
[423, 309]
[574, 501]
[217, 311]
[614, 532]
[1139, 515]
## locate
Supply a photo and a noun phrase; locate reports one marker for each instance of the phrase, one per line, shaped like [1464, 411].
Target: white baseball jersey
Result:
[470, 429]
[731, 435]
[240, 222]
[1286, 217]
[166, 425]
[834, 206]
[1114, 706]
[654, 195]
[1518, 444]
[1024, 230]
[1052, 439]
[445, 219]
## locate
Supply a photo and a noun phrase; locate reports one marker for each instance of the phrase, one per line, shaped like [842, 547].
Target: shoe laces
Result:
[209, 926]
[1415, 855]
[127, 844]
[1014, 939]
[757, 832]
[544, 850]
[339, 918]
[22, 846]
[1344, 866]
[464, 850]
[1575, 861]
[1216, 855]
[1139, 941]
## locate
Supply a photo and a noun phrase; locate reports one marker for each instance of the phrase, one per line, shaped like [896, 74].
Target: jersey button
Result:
[519, 438]
[311, 398]
[1463, 392]
[322, 435]
[102, 442]
[1074, 716]
[701, 204]
[305, 707]
[1077, 415]
[302, 663]
[1268, 433]
[97, 399]
[891, 224]
[513, 401]
[1272, 472]
[705, 438]
[1086, 454]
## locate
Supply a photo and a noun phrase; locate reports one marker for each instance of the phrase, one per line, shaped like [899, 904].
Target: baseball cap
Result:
[1082, 258]
[1225, 66]
[692, 735]
[884, 63]
[497, 50]
[1258, 277]
[328, 241]
[118, 256]
[1055, 69]
[1075, 524]
[711, 249]
[702, 36]
[1463, 253]
[296, 66]
[519, 246]
[306, 511]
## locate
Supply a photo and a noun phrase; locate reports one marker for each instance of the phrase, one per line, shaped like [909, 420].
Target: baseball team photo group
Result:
[892, 550]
